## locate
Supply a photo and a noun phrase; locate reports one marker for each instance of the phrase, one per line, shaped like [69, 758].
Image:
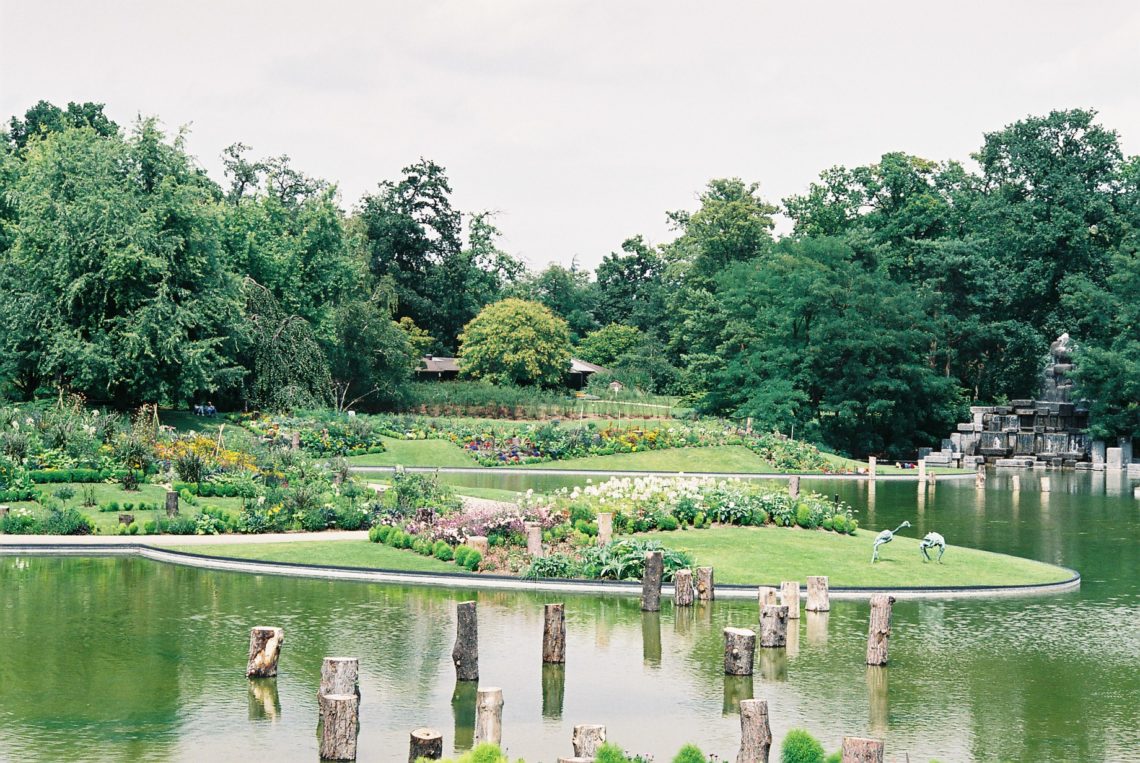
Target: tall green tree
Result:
[517, 342]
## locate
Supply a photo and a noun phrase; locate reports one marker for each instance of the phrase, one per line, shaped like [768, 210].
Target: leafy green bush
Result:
[19, 522]
[474, 559]
[442, 551]
[553, 566]
[610, 753]
[65, 493]
[625, 560]
[690, 753]
[837, 757]
[461, 553]
[378, 533]
[801, 747]
[68, 521]
[667, 523]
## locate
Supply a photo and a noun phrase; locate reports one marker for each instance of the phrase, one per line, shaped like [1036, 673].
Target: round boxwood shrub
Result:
[461, 553]
[668, 523]
[801, 747]
[442, 551]
[473, 560]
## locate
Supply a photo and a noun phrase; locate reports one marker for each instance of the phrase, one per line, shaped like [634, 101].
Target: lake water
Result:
[125, 659]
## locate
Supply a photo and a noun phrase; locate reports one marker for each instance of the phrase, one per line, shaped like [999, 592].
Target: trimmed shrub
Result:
[610, 753]
[801, 747]
[461, 553]
[442, 551]
[667, 523]
[690, 753]
[473, 560]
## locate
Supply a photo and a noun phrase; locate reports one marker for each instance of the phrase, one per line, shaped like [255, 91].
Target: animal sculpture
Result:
[933, 540]
[886, 536]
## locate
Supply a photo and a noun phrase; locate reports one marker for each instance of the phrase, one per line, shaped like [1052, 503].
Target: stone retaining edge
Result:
[544, 472]
[502, 582]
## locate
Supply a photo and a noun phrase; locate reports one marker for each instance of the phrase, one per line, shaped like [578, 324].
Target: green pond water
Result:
[125, 659]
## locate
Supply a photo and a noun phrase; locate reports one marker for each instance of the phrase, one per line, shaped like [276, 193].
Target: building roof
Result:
[582, 367]
[432, 364]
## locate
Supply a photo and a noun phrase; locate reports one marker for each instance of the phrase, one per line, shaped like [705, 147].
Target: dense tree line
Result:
[904, 290]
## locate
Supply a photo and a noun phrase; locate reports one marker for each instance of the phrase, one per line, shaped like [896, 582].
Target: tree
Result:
[45, 118]
[609, 344]
[630, 287]
[372, 357]
[289, 368]
[733, 224]
[568, 292]
[514, 341]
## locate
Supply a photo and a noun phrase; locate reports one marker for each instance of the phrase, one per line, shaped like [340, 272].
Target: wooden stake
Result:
[533, 538]
[790, 598]
[872, 467]
[651, 581]
[587, 739]
[755, 733]
[605, 527]
[794, 486]
[818, 599]
[554, 633]
[739, 648]
[879, 629]
[489, 716]
[466, 651]
[921, 472]
[479, 543]
[340, 724]
[683, 588]
[171, 503]
[859, 750]
[706, 590]
[773, 627]
[264, 651]
[425, 743]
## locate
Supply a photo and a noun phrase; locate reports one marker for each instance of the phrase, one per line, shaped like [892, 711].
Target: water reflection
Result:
[816, 627]
[553, 690]
[463, 711]
[264, 704]
[736, 688]
[877, 699]
[773, 664]
[651, 638]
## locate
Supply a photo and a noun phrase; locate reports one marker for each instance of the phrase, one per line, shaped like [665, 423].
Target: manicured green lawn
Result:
[720, 458]
[343, 553]
[767, 555]
[416, 453]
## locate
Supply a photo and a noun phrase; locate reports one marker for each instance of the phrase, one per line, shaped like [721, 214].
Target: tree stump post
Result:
[295, 441]
[1046, 485]
[126, 519]
[489, 716]
[465, 654]
[765, 595]
[554, 633]
[1015, 483]
[575, 760]
[755, 733]
[683, 588]
[587, 738]
[790, 597]
[4, 511]
[739, 648]
[921, 472]
[605, 527]
[425, 743]
[818, 599]
[706, 590]
[264, 650]
[651, 581]
[794, 486]
[872, 467]
[533, 538]
[879, 629]
[340, 724]
[479, 543]
[980, 477]
[773, 627]
[340, 675]
[859, 750]
[171, 503]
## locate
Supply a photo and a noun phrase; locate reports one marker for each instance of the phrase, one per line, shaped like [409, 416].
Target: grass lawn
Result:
[719, 458]
[767, 555]
[344, 553]
[108, 521]
[416, 453]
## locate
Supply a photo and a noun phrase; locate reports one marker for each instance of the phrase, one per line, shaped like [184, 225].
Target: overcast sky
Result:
[581, 122]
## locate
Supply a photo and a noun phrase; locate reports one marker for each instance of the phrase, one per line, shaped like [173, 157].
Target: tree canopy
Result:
[516, 342]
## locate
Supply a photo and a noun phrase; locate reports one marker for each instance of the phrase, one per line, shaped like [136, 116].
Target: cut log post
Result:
[739, 648]
[773, 627]
[766, 595]
[1015, 483]
[790, 597]
[554, 633]
[605, 527]
[575, 760]
[171, 503]
[533, 538]
[479, 543]
[706, 590]
[921, 472]
[858, 750]
[340, 724]
[818, 599]
[755, 733]
[126, 519]
[587, 738]
[295, 442]
[425, 743]
[794, 486]
[1046, 485]
[651, 581]
[264, 650]
[489, 716]
[465, 654]
[879, 629]
[980, 477]
[683, 588]
[340, 675]
[872, 467]
[4, 511]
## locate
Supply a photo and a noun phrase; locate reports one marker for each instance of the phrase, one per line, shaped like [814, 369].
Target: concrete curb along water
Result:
[619, 473]
[501, 582]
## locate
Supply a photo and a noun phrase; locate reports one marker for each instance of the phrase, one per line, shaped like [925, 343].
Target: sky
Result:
[579, 123]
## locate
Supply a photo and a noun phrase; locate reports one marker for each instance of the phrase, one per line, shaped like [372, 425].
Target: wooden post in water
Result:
[921, 472]
[554, 633]
[533, 538]
[706, 590]
[790, 597]
[872, 467]
[651, 581]
[489, 716]
[1015, 483]
[339, 675]
[171, 503]
[773, 626]
[739, 648]
[980, 477]
[766, 595]
[264, 651]
[340, 724]
[879, 629]
[605, 527]
[466, 651]
[818, 599]
[755, 733]
[683, 588]
[425, 743]
[1046, 485]
[794, 486]
[859, 750]
[587, 738]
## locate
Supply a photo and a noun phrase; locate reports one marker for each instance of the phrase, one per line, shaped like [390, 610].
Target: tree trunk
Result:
[858, 750]
[295, 443]
[755, 733]
[773, 627]
[340, 675]
[479, 543]
[879, 629]
[765, 596]
[489, 716]
[264, 649]
[605, 527]
[651, 581]
[790, 598]
[817, 596]
[794, 486]
[171, 503]
[705, 587]
[554, 633]
[425, 743]
[126, 519]
[739, 647]
[466, 651]
[340, 724]
[587, 739]
[533, 538]
[683, 588]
